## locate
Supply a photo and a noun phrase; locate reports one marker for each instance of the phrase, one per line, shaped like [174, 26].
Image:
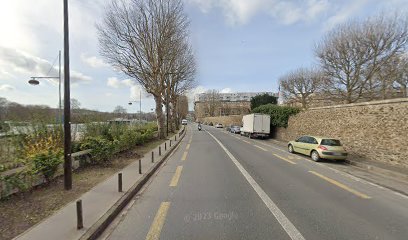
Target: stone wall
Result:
[375, 131]
[225, 120]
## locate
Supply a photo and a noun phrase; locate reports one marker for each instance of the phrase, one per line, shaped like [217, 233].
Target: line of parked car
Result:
[258, 126]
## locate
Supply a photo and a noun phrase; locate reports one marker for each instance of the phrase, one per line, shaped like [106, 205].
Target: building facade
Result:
[213, 104]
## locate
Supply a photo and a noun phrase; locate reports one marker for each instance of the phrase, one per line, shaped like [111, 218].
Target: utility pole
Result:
[140, 108]
[59, 88]
[167, 110]
[67, 106]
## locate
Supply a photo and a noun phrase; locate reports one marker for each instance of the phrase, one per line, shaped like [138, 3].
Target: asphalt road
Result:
[219, 185]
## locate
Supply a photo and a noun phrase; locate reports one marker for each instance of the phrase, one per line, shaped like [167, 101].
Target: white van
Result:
[184, 122]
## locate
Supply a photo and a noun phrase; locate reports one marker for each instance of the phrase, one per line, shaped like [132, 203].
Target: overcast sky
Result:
[241, 45]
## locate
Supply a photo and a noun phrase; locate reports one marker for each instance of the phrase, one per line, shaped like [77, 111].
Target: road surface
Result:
[218, 185]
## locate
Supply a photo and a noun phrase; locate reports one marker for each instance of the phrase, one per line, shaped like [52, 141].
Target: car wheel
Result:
[315, 156]
[290, 148]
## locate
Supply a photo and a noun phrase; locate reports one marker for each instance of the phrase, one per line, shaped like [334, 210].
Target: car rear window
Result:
[331, 142]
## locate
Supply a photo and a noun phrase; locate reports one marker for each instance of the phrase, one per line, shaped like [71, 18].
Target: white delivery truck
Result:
[256, 125]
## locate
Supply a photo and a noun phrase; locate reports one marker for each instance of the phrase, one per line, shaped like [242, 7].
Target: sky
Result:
[240, 46]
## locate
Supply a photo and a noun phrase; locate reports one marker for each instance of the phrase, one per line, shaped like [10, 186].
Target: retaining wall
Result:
[375, 131]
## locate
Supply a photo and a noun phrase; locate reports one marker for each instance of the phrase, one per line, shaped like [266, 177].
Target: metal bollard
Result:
[80, 221]
[170, 143]
[175, 137]
[120, 182]
[140, 166]
[152, 157]
[165, 146]
[159, 150]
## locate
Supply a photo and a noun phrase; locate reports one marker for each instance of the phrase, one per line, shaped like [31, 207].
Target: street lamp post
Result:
[35, 81]
[67, 106]
[140, 107]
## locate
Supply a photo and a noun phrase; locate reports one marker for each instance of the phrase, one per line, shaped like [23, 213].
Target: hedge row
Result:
[41, 151]
[279, 114]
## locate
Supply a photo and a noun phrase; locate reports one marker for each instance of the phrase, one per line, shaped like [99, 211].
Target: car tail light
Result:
[322, 147]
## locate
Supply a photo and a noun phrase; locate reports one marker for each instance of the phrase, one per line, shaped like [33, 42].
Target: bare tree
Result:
[212, 102]
[182, 107]
[181, 81]
[300, 84]
[138, 38]
[353, 53]
[401, 78]
[384, 80]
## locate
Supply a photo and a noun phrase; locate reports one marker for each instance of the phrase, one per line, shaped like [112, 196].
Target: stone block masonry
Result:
[375, 131]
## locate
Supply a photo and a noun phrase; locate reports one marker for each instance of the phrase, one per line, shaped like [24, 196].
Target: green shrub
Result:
[279, 114]
[46, 163]
[4, 127]
[129, 139]
[102, 149]
[98, 130]
[18, 180]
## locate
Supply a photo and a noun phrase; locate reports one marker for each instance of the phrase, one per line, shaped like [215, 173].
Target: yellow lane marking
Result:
[176, 176]
[188, 146]
[284, 159]
[267, 145]
[340, 185]
[158, 222]
[184, 156]
[263, 149]
[246, 141]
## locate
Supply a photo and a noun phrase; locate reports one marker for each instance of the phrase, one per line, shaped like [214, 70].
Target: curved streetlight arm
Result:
[44, 77]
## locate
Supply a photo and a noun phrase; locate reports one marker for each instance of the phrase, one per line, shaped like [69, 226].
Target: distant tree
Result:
[263, 99]
[182, 107]
[401, 79]
[119, 110]
[212, 102]
[300, 84]
[3, 108]
[75, 104]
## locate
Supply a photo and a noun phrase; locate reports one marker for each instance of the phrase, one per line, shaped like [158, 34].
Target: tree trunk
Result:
[160, 117]
[171, 118]
[304, 103]
[174, 115]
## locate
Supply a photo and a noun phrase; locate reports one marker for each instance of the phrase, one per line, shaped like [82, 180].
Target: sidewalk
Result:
[98, 201]
[388, 176]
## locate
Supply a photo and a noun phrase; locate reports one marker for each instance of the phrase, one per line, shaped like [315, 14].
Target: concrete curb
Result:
[99, 227]
[376, 168]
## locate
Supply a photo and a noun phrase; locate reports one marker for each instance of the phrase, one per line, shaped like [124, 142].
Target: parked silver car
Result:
[235, 129]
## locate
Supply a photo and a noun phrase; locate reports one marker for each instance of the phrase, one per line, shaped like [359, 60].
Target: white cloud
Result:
[135, 89]
[193, 92]
[226, 90]
[6, 87]
[113, 82]
[93, 61]
[287, 12]
[22, 63]
[344, 13]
